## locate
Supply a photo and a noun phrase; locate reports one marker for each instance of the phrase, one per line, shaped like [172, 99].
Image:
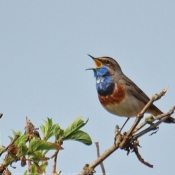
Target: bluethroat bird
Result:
[117, 93]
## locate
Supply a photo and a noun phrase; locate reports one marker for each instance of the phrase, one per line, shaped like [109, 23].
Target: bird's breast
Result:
[116, 97]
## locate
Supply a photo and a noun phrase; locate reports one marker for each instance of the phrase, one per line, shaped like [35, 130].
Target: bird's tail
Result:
[155, 111]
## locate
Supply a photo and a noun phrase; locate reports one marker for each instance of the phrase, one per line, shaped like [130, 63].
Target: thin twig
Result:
[122, 140]
[136, 151]
[55, 163]
[154, 126]
[98, 155]
[149, 118]
[29, 165]
[12, 142]
[139, 117]
[89, 168]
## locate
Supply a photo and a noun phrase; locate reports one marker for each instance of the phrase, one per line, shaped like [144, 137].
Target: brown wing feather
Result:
[134, 90]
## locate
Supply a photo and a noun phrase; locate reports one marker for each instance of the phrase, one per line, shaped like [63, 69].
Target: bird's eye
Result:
[107, 62]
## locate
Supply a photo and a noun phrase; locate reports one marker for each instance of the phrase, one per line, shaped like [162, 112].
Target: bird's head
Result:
[105, 66]
[105, 72]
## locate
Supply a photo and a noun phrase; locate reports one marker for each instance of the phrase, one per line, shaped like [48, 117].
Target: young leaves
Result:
[72, 132]
[49, 129]
[41, 145]
[31, 147]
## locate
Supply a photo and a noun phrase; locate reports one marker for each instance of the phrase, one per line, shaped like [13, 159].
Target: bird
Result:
[117, 93]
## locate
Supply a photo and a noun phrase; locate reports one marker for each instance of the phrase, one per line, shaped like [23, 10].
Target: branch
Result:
[161, 118]
[140, 116]
[12, 142]
[89, 168]
[98, 155]
[29, 166]
[148, 119]
[55, 162]
[55, 156]
[135, 149]
[128, 141]
[151, 119]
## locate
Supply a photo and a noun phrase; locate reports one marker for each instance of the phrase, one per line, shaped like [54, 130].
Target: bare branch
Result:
[135, 149]
[161, 118]
[55, 163]
[98, 155]
[89, 168]
[140, 116]
[128, 141]
[148, 119]
[29, 165]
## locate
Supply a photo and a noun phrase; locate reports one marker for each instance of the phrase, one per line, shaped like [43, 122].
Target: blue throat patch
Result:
[104, 82]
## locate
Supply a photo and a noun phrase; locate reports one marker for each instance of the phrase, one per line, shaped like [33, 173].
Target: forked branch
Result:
[128, 141]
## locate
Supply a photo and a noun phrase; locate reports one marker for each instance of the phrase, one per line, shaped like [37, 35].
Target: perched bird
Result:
[117, 93]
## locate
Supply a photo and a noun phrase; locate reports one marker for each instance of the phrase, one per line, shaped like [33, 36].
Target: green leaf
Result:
[80, 136]
[37, 156]
[23, 151]
[43, 167]
[11, 138]
[8, 160]
[33, 170]
[17, 133]
[1, 148]
[25, 173]
[74, 126]
[58, 132]
[14, 134]
[48, 129]
[21, 140]
[40, 145]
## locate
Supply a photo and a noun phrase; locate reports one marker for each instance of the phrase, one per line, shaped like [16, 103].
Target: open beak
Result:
[97, 62]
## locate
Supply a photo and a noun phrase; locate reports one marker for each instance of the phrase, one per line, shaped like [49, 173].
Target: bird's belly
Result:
[126, 108]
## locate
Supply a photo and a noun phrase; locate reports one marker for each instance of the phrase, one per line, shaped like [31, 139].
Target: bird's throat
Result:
[105, 86]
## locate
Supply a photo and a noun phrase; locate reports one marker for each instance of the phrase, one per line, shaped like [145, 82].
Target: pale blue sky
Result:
[43, 57]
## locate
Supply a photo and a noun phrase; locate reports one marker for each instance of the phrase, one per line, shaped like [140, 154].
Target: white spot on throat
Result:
[100, 80]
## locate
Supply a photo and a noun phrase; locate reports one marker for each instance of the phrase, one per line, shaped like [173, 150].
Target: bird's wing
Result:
[134, 90]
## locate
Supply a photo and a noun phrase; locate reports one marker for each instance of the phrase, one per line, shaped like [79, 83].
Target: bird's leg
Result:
[118, 131]
[124, 124]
